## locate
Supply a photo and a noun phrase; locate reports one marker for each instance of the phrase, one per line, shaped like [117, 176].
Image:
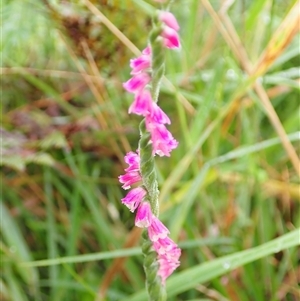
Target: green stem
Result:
[158, 57]
[154, 287]
[147, 169]
[156, 290]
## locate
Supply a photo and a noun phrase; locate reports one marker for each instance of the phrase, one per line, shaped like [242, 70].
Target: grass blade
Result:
[210, 270]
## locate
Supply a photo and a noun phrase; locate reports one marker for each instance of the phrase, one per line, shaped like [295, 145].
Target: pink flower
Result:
[169, 19]
[129, 178]
[157, 230]
[158, 115]
[168, 253]
[167, 247]
[140, 63]
[171, 38]
[168, 258]
[162, 140]
[137, 82]
[143, 216]
[166, 267]
[134, 198]
[163, 245]
[142, 103]
[133, 160]
[147, 50]
[132, 174]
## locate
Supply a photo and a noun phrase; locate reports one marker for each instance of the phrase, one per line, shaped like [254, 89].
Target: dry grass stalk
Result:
[230, 35]
[282, 37]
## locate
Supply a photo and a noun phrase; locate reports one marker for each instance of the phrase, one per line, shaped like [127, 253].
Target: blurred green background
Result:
[232, 93]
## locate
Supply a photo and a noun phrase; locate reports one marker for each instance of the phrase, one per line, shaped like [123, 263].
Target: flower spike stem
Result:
[156, 290]
[147, 169]
[161, 254]
[158, 59]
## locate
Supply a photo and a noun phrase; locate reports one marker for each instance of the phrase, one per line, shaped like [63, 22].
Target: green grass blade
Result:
[212, 269]
[122, 253]
[51, 225]
[14, 287]
[17, 244]
[183, 210]
[246, 150]
[85, 258]
[255, 9]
